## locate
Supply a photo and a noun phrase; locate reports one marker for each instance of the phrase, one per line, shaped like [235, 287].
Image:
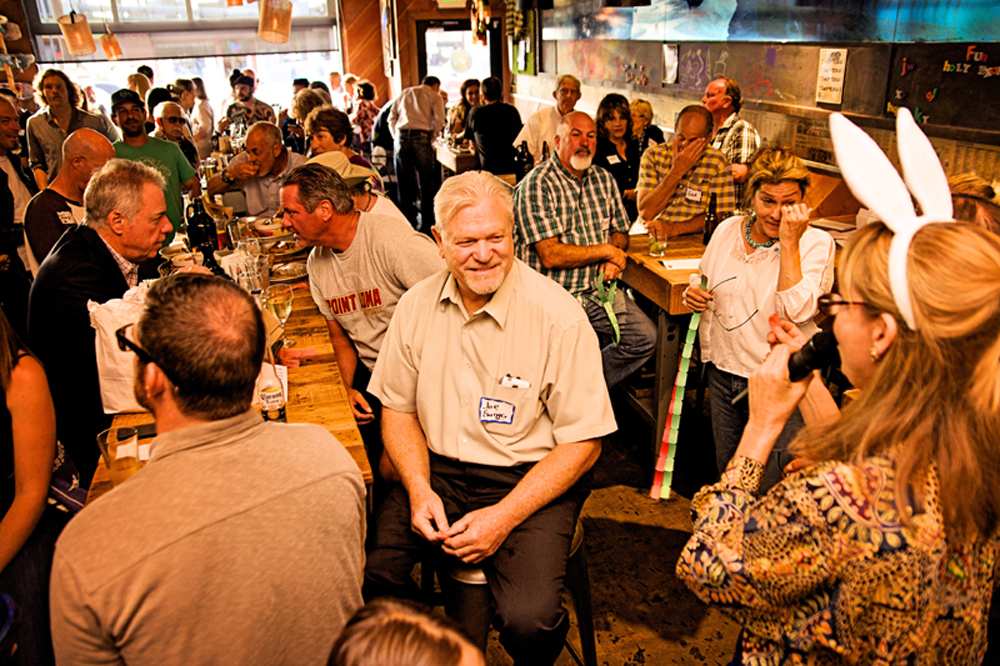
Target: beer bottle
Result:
[272, 404]
[523, 161]
[711, 221]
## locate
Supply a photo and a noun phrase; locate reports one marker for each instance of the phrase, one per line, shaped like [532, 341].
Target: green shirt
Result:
[167, 158]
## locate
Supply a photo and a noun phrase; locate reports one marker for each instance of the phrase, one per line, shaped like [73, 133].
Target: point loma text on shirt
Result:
[364, 299]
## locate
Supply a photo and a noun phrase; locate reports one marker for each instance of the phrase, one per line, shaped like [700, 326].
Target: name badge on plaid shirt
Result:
[693, 195]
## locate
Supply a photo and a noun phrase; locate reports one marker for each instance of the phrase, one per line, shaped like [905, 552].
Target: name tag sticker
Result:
[492, 410]
[614, 159]
[693, 195]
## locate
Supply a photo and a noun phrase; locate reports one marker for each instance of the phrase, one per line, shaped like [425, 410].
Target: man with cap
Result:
[258, 170]
[129, 114]
[246, 108]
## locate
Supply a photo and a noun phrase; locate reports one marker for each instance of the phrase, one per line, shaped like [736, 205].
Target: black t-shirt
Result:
[493, 128]
[47, 216]
[624, 170]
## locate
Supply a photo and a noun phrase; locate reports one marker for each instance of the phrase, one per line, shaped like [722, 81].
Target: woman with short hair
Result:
[769, 261]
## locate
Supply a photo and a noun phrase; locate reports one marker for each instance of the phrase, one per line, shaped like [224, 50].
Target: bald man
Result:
[259, 169]
[571, 225]
[172, 125]
[60, 205]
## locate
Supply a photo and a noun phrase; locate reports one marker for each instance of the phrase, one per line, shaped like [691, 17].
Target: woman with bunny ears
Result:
[884, 549]
[770, 262]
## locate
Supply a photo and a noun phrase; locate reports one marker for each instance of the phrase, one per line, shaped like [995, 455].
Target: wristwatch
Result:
[227, 179]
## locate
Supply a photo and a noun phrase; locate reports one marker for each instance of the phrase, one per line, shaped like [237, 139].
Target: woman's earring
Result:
[873, 352]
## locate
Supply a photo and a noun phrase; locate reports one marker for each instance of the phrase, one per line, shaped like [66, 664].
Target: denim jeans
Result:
[728, 422]
[416, 177]
[638, 336]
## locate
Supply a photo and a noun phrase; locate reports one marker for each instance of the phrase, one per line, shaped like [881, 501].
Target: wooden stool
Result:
[468, 602]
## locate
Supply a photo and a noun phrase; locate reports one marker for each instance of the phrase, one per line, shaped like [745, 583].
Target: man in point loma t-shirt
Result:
[361, 264]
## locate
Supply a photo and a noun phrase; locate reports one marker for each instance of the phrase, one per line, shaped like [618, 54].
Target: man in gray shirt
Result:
[240, 541]
[361, 264]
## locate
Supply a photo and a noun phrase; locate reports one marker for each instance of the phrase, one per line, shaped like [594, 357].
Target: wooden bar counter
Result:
[663, 287]
[316, 392]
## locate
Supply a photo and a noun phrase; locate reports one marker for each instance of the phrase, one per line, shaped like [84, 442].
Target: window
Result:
[160, 11]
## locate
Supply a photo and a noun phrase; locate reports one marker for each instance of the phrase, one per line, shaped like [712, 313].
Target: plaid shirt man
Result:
[551, 203]
[738, 141]
[711, 175]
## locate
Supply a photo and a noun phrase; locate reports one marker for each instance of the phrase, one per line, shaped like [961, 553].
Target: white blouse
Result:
[734, 329]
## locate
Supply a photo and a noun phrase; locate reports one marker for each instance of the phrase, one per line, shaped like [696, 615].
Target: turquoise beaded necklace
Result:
[751, 218]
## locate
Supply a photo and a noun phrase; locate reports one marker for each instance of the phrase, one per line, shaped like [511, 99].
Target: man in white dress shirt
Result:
[416, 118]
[541, 126]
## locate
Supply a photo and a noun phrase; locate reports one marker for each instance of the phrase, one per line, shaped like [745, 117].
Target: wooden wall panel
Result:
[362, 44]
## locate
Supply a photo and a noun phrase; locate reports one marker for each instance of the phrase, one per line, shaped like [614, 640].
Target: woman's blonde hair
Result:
[975, 200]
[139, 83]
[774, 165]
[935, 397]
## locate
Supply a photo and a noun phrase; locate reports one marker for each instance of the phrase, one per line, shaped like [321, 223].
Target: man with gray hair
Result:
[240, 541]
[60, 205]
[540, 130]
[360, 266]
[494, 407]
[126, 225]
[572, 227]
[259, 169]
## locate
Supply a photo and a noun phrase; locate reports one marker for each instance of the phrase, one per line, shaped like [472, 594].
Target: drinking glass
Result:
[278, 299]
[120, 468]
[657, 248]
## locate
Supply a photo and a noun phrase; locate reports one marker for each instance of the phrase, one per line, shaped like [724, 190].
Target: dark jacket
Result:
[79, 268]
[14, 279]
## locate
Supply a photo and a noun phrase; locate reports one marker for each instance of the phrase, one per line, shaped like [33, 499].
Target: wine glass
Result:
[278, 299]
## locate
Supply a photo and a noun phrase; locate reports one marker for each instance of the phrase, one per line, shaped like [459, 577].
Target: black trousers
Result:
[525, 575]
[417, 177]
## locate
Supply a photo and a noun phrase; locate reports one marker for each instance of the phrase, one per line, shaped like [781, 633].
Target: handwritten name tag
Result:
[614, 159]
[693, 195]
[492, 410]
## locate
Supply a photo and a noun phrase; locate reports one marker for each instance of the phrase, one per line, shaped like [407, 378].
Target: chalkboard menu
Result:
[947, 84]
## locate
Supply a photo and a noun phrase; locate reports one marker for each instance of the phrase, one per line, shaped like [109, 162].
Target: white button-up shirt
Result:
[745, 286]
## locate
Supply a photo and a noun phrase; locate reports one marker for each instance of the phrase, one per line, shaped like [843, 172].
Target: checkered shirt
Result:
[129, 270]
[710, 174]
[738, 141]
[551, 203]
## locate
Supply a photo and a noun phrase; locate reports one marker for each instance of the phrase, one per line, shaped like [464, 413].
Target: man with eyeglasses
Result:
[129, 112]
[240, 541]
[98, 261]
[258, 170]
[172, 125]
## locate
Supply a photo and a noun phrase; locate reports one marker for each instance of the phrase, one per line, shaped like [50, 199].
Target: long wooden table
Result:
[316, 392]
[664, 288]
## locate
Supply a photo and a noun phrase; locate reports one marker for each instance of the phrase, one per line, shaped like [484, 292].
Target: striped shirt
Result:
[738, 141]
[551, 203]
[710, 175]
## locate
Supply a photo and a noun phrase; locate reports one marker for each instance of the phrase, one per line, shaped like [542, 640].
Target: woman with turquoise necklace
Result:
[767, 263]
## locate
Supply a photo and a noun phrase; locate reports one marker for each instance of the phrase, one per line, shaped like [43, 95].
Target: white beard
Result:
[581, 163]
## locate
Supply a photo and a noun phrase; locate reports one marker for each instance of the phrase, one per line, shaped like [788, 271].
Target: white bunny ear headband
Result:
[877, 185]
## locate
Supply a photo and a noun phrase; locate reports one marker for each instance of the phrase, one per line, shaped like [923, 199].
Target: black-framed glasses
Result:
[125, 345]
[831, 303]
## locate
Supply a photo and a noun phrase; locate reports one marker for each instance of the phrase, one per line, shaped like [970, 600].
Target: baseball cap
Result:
[125, 96]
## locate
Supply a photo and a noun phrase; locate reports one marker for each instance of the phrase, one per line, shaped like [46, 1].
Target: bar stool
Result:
[467, 600]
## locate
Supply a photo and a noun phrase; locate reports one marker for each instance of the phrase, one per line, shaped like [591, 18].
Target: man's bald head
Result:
[87, 143]
[167, 109]
[84, 153]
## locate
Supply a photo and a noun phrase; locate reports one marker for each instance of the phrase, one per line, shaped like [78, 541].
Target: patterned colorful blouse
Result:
[821, 570]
